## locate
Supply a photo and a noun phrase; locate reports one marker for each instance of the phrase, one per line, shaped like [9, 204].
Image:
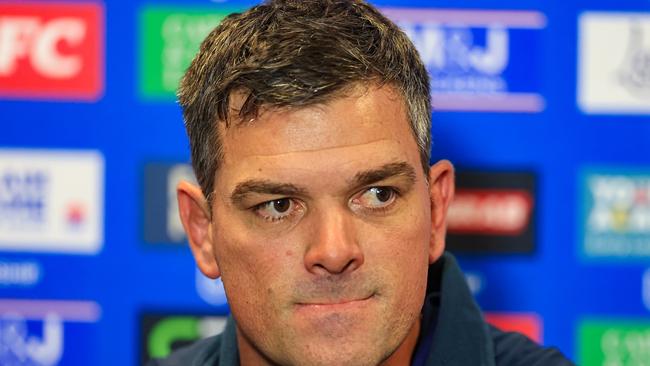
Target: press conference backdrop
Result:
[543, 106]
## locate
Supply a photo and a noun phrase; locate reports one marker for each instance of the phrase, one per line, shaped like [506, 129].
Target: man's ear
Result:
[195, 216]
[441, 193]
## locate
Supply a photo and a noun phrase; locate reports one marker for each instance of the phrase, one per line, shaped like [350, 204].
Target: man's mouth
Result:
[341, 304]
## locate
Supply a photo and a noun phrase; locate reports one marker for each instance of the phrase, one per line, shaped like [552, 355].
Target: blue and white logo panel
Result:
[479, 60]
[51, 201]
[616, 214]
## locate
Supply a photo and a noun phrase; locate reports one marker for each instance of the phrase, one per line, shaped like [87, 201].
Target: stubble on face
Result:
[289, 309]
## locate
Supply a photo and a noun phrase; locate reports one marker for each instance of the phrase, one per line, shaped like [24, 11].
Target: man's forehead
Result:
[317, 144]
[238, 97]
[321, 126]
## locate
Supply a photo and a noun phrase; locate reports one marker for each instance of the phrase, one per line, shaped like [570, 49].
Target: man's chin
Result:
[341, 338]
[335, 354]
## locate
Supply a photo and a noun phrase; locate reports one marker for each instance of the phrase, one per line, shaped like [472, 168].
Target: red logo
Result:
[525, 323]
[51, 50]
[76, 214]
[490, 211]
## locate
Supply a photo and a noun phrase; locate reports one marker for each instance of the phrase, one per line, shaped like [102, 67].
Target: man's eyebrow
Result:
[371, 176]
[264, 187]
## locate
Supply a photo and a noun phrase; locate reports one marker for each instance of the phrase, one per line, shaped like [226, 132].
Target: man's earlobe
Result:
[441, 193]
[195, 216]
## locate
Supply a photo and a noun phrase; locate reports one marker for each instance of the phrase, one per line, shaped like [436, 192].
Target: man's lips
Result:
[334, 304]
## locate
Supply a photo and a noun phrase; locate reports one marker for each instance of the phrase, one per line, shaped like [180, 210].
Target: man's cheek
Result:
[399, 237]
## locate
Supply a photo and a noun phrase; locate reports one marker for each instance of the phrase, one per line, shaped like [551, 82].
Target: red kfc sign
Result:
[51, 50]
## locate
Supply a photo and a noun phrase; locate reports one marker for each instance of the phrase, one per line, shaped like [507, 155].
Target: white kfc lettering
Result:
[28, 37]
[14, 33]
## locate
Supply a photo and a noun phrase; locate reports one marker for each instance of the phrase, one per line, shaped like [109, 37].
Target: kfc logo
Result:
[50, 50]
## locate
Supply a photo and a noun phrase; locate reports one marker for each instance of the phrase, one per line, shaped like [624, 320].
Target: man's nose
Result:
[333, 247]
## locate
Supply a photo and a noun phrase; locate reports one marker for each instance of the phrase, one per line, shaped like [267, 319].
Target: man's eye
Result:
[376, 197]
[276, 209]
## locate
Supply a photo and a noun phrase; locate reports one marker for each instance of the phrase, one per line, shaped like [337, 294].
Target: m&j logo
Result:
[51, 201]
[616, 213]
[51, 50]
[478, 59]
[46, 333]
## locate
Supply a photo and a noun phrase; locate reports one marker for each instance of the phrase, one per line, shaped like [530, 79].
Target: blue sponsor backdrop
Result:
[533, 124]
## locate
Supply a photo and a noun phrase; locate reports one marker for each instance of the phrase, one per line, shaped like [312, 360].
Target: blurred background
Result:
[543, 107]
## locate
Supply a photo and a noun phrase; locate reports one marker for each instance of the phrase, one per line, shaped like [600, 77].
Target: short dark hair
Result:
[292, 53]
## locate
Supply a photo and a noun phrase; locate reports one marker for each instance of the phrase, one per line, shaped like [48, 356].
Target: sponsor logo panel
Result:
[170, 37]
[492, 212]
[616, 214]
[528, 324]
[160, 334]
[51, 50]
[46, 333]
[479, 60]
[162, 223]
[613, 55]
[51, 201]
[607, 342]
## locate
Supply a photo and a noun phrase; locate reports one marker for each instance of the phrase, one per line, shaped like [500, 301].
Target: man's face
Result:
[321, 231]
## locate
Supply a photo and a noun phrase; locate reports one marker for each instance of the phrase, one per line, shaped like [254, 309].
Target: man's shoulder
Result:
[465, 337]
[514, 349]
[200, 353]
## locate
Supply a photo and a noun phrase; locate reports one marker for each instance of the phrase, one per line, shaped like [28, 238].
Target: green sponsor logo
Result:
[169, 39]
[608, 343]
[168, 331]
[161, 334]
